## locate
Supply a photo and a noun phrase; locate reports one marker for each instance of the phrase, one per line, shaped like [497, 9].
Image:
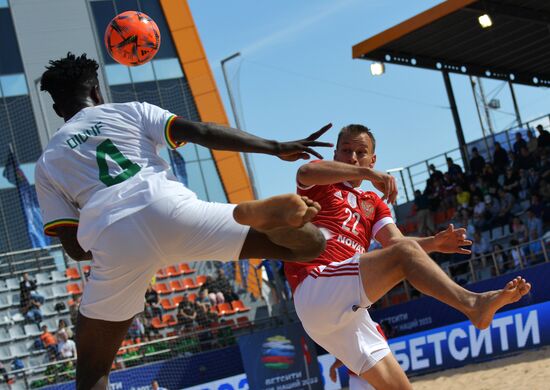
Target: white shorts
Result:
[324, 303]
[128, 253]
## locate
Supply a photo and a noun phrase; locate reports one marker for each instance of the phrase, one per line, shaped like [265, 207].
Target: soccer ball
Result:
[132, 38]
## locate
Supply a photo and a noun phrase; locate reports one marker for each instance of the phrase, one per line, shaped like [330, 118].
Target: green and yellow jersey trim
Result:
[49, 228]
[172, 143]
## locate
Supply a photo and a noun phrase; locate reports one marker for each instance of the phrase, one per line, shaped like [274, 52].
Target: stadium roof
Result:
[448, 37]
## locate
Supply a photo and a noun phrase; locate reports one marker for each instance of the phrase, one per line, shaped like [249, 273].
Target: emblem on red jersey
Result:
[367, 208]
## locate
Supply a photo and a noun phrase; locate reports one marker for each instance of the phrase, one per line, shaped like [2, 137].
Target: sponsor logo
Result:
[358, 248]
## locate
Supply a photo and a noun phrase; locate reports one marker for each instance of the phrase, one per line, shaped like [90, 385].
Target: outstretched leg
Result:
[381, 270]
[280, 228]
[97, 343]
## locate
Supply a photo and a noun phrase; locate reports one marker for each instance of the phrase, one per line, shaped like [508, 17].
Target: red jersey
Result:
[348, 218]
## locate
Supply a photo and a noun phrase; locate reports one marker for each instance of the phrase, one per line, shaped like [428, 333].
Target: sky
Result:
[296, 73]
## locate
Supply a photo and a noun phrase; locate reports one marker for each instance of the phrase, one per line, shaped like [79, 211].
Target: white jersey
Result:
[103, 165]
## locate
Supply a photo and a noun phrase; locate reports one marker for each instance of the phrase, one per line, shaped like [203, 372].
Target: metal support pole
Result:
[456, 119]
[516, 107]
[404, 185]
[237, 121]
[487, 149]
[410, 178]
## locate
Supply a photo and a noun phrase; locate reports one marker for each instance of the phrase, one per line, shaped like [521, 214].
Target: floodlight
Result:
[377, 68]
[485, 21]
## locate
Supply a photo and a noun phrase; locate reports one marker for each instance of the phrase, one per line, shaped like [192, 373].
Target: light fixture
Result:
[377, 68]
[485, 21]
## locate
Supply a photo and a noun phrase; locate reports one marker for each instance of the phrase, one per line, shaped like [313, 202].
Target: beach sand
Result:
[529, 370]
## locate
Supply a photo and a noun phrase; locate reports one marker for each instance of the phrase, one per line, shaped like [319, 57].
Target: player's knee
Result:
[407, 249]
[315, 246]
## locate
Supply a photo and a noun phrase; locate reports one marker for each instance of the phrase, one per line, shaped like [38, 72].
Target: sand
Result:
[528, 370]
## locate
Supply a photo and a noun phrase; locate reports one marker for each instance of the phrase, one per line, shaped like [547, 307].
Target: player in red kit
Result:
[332, 292]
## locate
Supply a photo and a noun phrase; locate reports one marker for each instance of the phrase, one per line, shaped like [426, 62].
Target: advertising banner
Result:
[280, 359]
[459, 344]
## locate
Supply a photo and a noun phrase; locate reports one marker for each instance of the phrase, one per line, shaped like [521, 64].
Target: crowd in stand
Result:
[510, 191]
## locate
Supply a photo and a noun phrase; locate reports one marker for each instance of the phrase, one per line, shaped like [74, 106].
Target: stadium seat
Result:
[177, 286]
[189, 283]
[239, 307]
[74, 289]
[192, 297]
[161, 274]
[225, 309]
[86, 269]
[243, 322]
[186, 269]
[167, 304]
[3, 286]
[72, 273]
[16, 332]
[5, 353]
[5, 301]
[58, 276]
[157, 323]
[19, 351]
[12, 283]
[4, 335]
[60, 291]
[32, 330]
[43, 278]
[169, 320]
[162, 288]
[173, 271]
[178, 299]
[201, 279]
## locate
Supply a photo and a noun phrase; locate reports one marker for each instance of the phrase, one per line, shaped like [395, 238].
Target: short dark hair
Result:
[69, 77]
[355, 129]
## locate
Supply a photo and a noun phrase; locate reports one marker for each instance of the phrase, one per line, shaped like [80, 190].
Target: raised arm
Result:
[330, 172]
[219, 137]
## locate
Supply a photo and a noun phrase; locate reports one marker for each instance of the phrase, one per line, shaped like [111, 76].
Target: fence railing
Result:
[414, 176]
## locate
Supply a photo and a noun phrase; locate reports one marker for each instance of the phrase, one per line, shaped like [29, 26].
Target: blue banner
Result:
[459, 344]
[178, 166]
[28, 200]
[427, 313]
[280, 359]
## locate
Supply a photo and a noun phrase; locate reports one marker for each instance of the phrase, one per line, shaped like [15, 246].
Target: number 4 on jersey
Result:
[108, 148]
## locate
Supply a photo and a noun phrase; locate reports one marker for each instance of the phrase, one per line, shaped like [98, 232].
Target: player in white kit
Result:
[108, 196]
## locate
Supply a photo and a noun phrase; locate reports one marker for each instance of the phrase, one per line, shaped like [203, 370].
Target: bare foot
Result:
[279, 211]
[489, 302]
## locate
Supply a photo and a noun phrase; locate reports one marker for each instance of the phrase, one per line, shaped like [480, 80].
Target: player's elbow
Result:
[304, 175]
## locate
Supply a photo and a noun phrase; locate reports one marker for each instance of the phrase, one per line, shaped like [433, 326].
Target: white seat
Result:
[3, 286]
[4, 336]
[12, 283]
[46, 292]
[32, 330]
[17, 333]
[5, 353]
[58, 276]
[15, 300]
[19, 350]
[43, 278]
[5, 302]
[60, 291]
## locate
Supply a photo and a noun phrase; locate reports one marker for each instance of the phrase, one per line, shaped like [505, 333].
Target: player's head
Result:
[356, 145]
[72, 83]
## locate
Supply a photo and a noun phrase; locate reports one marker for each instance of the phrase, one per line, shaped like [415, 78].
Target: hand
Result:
[452, 240]
[301, 149]
[332, 373]
[384, 183]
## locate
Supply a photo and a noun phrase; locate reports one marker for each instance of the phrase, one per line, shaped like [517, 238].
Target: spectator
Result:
[205, 316]
[492, 208]
[186, 313]
[489, 175]
[63, 327]
[480, 245]
[31, 311]
[424, 218]
[519, 232]
[538, 208]
[462, 197]
[435, 174]
[511, 182]
[477, 163]
[152, 304]
[4, 374]
[532, 142]
[544, 190]
[155, 386]
[517, 257]
[479, 212]
[525, 160]
[543, 139]
[136, 329]
[501, 258]
[27, 289]
[215, 295]
[534, 249]
[225, 287]
[506, 204]
[65, 346]
[49, 342]
[203, 300]
[500, 158]
[525, 185]
[520, 143]
[534, 224]
[466, 222]
[513, 161]
[73, 309]
[453, 169]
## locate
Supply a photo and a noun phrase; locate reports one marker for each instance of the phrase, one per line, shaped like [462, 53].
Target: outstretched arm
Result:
[219, 137]
[450, 240]
[330, 172]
